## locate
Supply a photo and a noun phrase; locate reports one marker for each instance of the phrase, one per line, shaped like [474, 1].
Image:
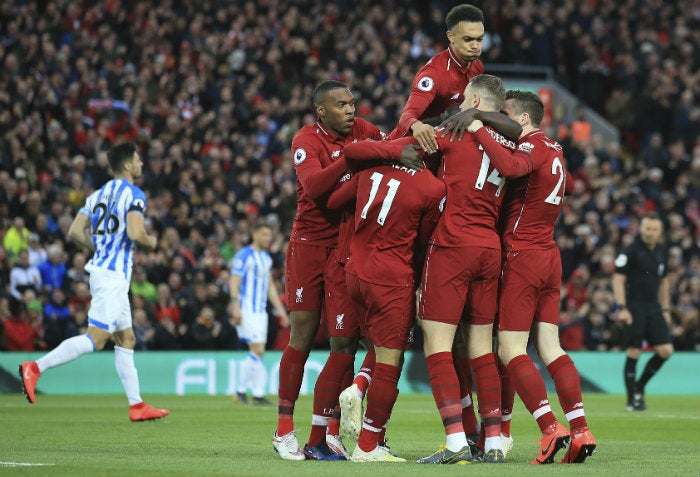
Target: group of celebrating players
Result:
[463, 222]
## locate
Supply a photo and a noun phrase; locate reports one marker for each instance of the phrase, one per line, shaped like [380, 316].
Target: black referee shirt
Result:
[644, 270]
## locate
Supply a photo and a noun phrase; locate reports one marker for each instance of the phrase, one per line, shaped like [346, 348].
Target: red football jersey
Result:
[535, 192]
[395, 209]
[319, 164]
[475, 191]
[437, 86]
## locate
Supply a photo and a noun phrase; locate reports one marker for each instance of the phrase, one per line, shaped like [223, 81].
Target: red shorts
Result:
[457, 280]
[342, 320]
[530, 289]
[389, 311]
[304, 289]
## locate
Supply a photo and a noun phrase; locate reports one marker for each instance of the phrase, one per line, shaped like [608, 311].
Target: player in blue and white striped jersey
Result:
[251, 287]
[110, 224]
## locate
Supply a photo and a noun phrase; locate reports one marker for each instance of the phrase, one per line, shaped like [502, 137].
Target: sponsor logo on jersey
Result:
[426, 83]
[455, 96]
[335, 154]
[299, 156]
[526, 147]
[552, 145]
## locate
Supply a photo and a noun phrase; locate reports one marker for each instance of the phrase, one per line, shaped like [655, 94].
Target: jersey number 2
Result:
[104, 224]
[557, 169]
[393, 186]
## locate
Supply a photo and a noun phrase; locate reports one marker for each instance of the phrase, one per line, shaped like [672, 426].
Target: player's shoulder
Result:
[307, 132]
[243, 254]
[439, 61]
[431, 184]
[538, 139]
[365, 129]
[476, 67]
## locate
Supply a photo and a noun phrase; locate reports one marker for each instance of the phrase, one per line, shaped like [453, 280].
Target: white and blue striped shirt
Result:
[107, 209]
[254, 268]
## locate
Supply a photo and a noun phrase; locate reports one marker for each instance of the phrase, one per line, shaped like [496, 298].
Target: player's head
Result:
[523, 107]
[335, 106]
[484, 92]
[465, 31]
[651, 229]
[125, 160]
[262, 235]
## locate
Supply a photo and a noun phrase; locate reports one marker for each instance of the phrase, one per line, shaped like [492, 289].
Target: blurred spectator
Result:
[140, 286]
[76, 273]
[16, 237]
[168, 335]
[205, 330]
[165, 305]
[23, 276]
[37, 253]
[53, 269]
[57, 315]
[143, 330]
[20, 334]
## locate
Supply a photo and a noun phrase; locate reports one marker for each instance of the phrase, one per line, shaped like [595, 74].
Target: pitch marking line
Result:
[23, 464]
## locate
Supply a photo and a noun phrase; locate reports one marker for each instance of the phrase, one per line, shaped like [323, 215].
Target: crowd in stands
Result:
[213, 91]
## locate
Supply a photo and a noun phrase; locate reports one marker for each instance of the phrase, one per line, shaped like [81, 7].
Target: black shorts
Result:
[647, 323]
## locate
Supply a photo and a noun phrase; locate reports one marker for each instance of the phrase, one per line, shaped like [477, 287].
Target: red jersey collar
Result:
[332, 137]
[455, 58]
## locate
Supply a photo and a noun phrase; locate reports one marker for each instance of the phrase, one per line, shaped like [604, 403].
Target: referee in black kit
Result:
[642, 302]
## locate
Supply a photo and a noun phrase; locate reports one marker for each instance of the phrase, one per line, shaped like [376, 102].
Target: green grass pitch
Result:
[212, 436]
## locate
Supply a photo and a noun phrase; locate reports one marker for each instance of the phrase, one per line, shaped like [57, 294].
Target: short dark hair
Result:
[463, 13]
[527, 102]
[261, 225]
[323, 88]
[119, 155]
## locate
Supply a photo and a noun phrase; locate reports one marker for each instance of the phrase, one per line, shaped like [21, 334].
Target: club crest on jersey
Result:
[426, 83]
[526, 147]
[299, 156]
[339, 321]
[299, 293]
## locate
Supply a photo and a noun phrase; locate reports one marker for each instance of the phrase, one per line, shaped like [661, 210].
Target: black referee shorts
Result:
[647, 323]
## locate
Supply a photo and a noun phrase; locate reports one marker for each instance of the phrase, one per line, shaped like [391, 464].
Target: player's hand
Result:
[410, 157]
[152, 241]
[667, 317]
[624, 316]
[283, 320]
[475, 126]
[456, 124]
[236, 316]
[424, 134]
